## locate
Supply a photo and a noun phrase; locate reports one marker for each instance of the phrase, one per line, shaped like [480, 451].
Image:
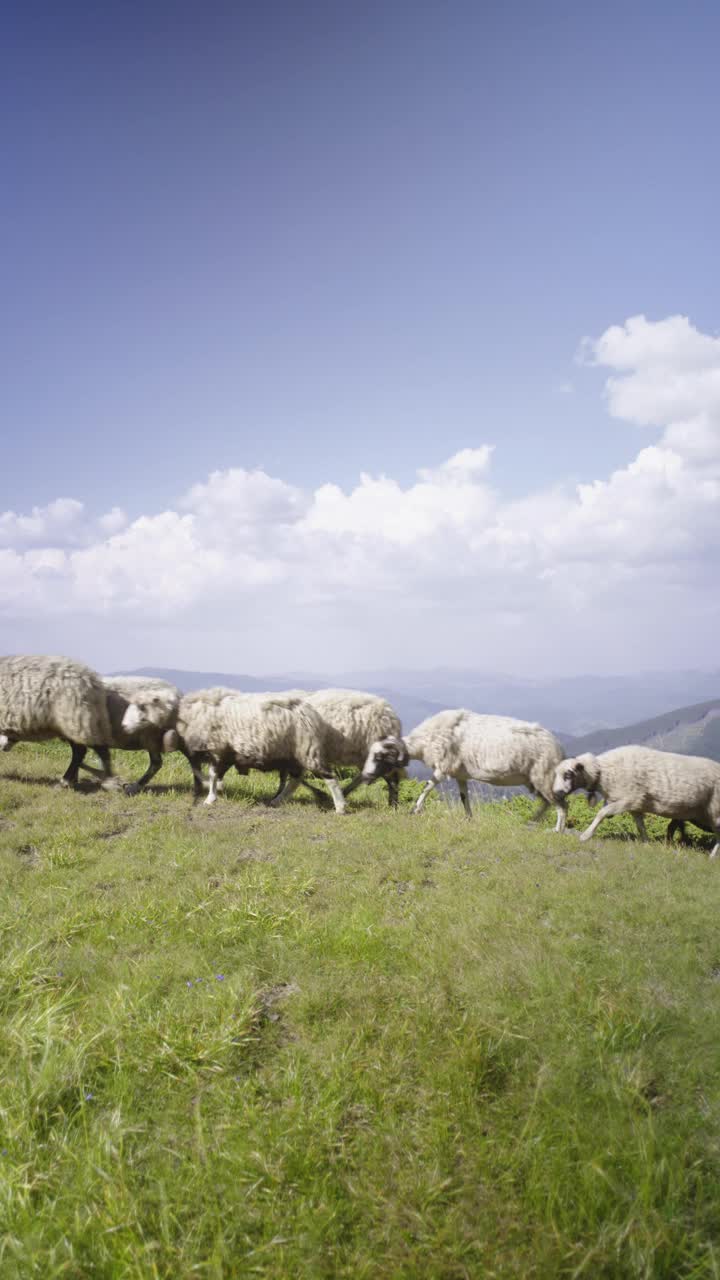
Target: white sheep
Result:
[50, 697]
[253, 731]
[195, 725]
[463, 744]
[142, 709]
[353, 720]
[640, 780]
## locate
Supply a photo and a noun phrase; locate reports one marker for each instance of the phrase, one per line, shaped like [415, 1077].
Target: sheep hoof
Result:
[132, 788]
[209, 800]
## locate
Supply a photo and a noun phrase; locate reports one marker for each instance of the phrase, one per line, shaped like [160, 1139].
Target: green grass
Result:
[249, 1042]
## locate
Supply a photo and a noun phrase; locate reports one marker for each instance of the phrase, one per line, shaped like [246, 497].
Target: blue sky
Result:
[325, 239]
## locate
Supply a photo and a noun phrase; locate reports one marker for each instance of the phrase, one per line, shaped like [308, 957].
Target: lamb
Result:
[253, 731]
[640, 780]
[353, 720]
[463, 744]
[50, 697]
[142, 709]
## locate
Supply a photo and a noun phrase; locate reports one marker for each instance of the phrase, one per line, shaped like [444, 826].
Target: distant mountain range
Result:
[590, 713]
[691, 730]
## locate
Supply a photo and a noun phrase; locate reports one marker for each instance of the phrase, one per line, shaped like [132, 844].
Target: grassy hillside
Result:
[249, 1042]
[691, 730]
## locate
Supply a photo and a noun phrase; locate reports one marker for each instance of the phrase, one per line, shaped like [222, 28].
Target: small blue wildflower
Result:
[220, 977]
[89, 1097]
[188, 983]
[3, 1152]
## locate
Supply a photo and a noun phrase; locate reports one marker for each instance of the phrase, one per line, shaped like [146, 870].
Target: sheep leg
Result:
[107, 780]
[198, 780]
[110, 783]
[675, 825]
[289, 788]
[320, 796]
[607, 811]
[132, 788]
[393, 786]
[640, 824]
[70, 776]
[463, 789]
[539, 811]
[211, 796]
[283, 775]
[353, 784]
[221, 769]
[336, 792]
[431, 782]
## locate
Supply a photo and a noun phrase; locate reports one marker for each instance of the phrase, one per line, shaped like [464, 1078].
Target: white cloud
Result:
[61, 523]
[473, 577]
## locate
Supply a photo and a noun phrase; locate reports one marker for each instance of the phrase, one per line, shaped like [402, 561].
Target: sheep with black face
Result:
[639, 780]
[465, 745]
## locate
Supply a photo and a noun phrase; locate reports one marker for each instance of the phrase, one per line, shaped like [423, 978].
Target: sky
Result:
[341, 335]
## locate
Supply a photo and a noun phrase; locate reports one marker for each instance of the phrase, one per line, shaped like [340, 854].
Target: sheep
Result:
[51, 697]
[252, 731]
[353, 720]
[141, 709]
[197, 713]
[463, 744]
[640, 780]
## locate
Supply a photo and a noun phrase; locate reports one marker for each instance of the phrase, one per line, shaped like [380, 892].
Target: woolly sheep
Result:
[253, 731]
[353, 720]
[51, 697]
[194, 725]
[463, 744]
[640, 780]
[142, 709]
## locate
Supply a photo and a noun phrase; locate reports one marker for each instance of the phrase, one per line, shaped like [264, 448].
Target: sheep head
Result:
[577, 773]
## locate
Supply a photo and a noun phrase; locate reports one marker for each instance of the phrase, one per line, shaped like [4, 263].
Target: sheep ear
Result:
[579, 767]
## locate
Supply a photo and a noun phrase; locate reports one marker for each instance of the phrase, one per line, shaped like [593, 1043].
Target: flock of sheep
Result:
[299, 733]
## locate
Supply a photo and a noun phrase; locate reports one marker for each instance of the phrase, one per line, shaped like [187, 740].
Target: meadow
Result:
[282, 1043]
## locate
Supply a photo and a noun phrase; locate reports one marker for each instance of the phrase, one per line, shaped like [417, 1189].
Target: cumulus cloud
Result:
[61, 523]
[446, 546]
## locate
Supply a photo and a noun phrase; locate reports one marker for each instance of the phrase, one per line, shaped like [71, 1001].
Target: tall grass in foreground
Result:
[248, 1042]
